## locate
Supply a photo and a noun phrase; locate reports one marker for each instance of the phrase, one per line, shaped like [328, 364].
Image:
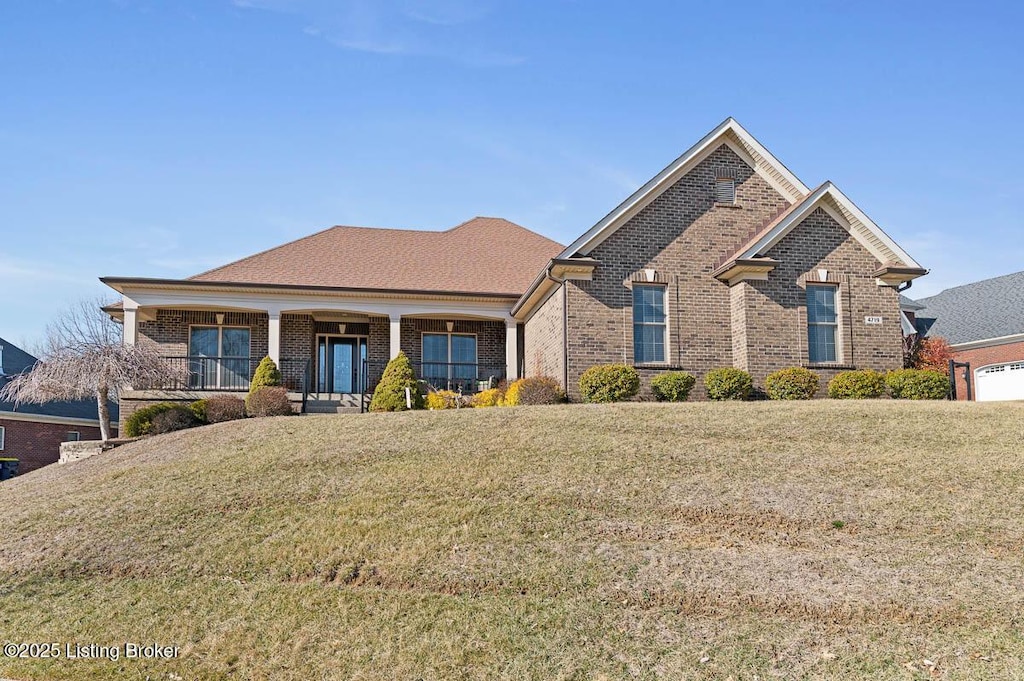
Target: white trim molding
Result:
[989, 342]
[46, 418]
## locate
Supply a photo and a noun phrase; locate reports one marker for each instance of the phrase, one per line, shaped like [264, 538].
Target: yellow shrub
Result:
[511, 396]
[445, 399]
[487, 398]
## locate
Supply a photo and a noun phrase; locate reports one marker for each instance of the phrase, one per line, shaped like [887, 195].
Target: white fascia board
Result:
[845, 201]
[656, 185]
[989, 342]
[298, 303]
[46, 418]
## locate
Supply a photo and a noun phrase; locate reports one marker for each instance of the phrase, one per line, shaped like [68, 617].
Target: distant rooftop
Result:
[986, 309]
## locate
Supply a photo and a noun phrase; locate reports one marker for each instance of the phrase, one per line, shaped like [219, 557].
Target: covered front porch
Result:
[333, 353]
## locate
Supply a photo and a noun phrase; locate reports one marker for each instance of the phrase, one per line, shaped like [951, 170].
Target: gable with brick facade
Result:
[729, 278]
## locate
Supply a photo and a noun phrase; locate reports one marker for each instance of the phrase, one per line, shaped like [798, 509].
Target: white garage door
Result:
[1000, 382]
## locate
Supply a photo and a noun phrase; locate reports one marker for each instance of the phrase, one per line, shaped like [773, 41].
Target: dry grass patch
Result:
[804, 540]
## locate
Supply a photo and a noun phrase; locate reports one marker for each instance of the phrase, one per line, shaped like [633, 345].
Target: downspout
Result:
[565, 323]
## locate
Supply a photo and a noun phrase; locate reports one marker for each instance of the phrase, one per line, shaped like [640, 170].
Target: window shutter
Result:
[725, 190]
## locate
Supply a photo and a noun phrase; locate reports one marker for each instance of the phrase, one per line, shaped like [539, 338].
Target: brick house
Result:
[984, 325]
[32, 433]
[724, 258]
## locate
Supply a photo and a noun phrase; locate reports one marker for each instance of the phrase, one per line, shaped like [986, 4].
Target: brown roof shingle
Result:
[482, 255]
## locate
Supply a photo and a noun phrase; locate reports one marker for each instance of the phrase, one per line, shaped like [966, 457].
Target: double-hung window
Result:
[822, 324]
[649, 324]
[449, 359]
[2, 432]
[218, 357]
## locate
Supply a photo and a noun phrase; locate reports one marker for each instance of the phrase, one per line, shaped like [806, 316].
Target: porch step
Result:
[345, 406]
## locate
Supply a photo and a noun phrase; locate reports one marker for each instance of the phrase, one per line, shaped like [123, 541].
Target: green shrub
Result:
[179, 418]
[141, 421]
[793, 383]
[728, 383]
[271, 400]
[609, 383]
[199, 410]
[390, 392]
[221, 408]
[267, 375]
[917, 384]
[672, 386]
[864, 384]
[534, 391]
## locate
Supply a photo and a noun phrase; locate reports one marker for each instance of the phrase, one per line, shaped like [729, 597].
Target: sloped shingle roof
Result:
[992, 308]
[14, 360]
[482, 255]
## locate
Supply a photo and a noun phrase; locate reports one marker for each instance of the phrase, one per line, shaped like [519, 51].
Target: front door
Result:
[341, 365]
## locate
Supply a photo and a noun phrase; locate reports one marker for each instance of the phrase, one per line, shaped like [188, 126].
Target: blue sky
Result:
[162, 138]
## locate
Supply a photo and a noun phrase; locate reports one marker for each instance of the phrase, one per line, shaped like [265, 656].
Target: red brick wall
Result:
[38, 444]
[980, 357]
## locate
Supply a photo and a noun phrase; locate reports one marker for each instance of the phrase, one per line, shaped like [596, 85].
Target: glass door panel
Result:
[202, 343]
[343, 356]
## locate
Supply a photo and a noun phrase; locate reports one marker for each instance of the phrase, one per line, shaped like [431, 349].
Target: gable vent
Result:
[725, 190]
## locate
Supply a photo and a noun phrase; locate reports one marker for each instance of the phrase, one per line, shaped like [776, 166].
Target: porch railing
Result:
[470, 378]
[226, 374]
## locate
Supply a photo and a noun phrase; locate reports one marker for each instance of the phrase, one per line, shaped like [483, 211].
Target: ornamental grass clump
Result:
[794, 383]
[609, 383]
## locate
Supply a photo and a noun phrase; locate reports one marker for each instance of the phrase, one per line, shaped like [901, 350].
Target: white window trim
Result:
[316, 349]
[837, 325]
[667, 322]
[220, 345]
[3, 438]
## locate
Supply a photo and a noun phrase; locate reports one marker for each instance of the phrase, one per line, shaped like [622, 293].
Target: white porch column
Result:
[511, 350]
[396, 334]
[274, 337]
[131, 325]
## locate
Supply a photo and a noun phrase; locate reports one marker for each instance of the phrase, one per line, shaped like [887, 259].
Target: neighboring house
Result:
[32, 433]
[984, 324]
[724, 258]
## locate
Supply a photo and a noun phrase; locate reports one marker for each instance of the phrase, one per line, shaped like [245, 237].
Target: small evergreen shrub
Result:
[199, 410]
[267, 374]
[390, 392]
[672, 386]
[728, 383]
[917, 384]
[141, 420]
[534, 391]
[609, 383]
[487, 398]
[794, 383]
[446, 399]
[864, 384]
[271, 400]
[221, 408]
[179, 418]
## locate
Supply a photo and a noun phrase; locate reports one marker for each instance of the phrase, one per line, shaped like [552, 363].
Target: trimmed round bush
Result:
[179, 418]
[220, 408]
[793, 383]
[917, 384]
[487, 398]
[728, 383]
[271, 400]
[864, 384]
[141, 421]
[609, 383]
[389, 394]
[672, 386]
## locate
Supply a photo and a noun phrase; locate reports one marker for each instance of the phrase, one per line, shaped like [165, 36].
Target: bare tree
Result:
[83, 357]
